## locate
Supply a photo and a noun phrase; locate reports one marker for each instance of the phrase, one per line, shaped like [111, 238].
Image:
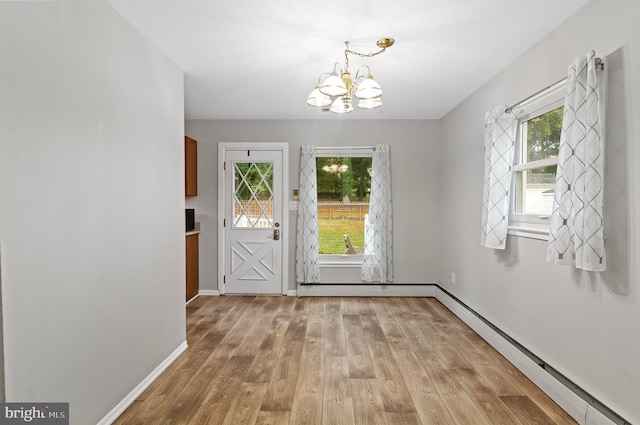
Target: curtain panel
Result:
[576, 226]
[377, 265]
[307, 235]
[499, 146]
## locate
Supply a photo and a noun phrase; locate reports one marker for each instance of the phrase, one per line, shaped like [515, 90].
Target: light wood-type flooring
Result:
[332, 361]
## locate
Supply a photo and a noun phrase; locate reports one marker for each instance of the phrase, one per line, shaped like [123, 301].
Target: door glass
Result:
[253, 195]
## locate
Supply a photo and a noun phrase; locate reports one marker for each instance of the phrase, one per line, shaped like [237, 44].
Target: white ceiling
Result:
[256, 59]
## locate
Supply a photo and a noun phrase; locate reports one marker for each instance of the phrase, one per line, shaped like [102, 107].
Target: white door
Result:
[253, 213]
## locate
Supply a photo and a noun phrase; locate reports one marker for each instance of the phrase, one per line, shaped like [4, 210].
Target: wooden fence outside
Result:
[251, 208]
[339, 211]
[326, 210]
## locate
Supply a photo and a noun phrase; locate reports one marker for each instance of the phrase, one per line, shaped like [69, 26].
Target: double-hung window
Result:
[535, 162]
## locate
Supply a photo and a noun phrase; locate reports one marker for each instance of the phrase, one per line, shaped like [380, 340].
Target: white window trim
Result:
[528, 230]
[342, 260]
[532, 225]
[536, 164]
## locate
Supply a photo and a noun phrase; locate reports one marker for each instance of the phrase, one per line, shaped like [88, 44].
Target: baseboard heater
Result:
[568, 383]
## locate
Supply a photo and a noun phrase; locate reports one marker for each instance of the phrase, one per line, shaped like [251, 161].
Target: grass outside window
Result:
[333, 231]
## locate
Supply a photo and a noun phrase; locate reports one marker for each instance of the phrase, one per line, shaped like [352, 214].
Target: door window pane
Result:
[253, 194]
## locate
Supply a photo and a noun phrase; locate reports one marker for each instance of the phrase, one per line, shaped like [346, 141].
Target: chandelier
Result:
[337, 89]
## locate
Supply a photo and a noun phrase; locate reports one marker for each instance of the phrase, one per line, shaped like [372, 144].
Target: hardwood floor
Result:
[331, 361]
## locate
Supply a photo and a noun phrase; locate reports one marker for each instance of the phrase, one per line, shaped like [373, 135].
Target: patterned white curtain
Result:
[499, 144]
[576, 231]
[307, 268]
[377, 265]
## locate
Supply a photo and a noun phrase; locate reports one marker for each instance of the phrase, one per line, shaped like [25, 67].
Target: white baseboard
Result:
[391, 290]
[292, 293]
[131, 397]
[209, 292]
[574, 405]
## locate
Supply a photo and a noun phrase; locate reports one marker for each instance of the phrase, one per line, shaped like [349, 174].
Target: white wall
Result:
[91, 147]
[414, 180]
[584, 325]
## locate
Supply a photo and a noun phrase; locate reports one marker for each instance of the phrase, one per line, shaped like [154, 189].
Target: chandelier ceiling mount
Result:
[385, 43]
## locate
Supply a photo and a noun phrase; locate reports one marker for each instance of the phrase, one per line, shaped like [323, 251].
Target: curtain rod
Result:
[599, 64]
[344, 148]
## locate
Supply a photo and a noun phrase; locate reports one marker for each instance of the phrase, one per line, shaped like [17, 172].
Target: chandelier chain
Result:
[365, 55]
[362, 55]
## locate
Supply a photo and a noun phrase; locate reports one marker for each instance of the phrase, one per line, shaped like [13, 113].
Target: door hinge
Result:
[224, 165]
[224, 222]
[224, 279]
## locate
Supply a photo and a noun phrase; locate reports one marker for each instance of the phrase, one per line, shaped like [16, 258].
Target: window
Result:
[536, 160]
[253, 194]
[344, 186]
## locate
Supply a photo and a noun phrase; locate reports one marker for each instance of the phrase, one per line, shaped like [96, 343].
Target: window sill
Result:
[340, 261]
[528, 230]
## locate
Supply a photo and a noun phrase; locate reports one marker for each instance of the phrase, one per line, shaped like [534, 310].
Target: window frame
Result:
[342, 260]
[531, 225]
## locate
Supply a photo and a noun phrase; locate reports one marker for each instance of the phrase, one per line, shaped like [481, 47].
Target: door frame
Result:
[283, 147]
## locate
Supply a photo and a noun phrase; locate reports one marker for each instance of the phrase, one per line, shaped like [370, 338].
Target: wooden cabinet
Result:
[190, 167]
[193, 285]
[191, 189]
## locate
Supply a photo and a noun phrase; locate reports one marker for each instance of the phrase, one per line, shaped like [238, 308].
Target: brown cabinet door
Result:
[192, 266]
[190, 167]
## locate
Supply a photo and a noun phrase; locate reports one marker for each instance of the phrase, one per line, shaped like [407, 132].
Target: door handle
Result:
[276, 234]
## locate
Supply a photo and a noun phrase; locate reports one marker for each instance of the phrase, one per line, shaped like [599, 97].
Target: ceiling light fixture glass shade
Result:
[368, 88]
[338, 88]
[342, 105]
[333, 86]
[317, 98]
[370, 103]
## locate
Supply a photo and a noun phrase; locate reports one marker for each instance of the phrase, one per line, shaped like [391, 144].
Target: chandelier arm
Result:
[322, 75]
[358, 76]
